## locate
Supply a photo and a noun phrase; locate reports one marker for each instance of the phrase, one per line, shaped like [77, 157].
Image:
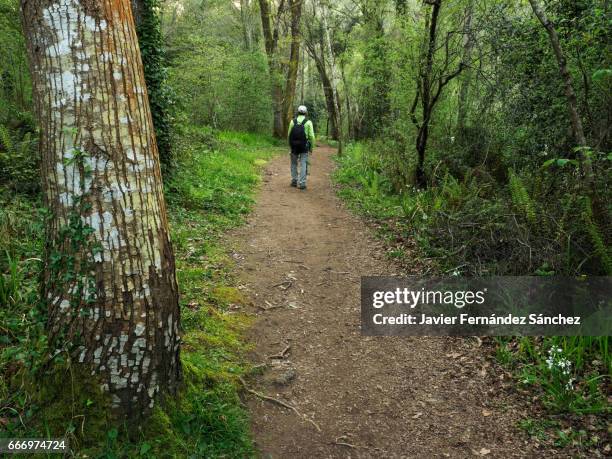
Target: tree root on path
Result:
[283, 285]
[270, 306]
[278, 402]
[282, 354]
[343, 443]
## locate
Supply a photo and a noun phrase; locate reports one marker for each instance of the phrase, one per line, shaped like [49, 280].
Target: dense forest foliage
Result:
[476, 135]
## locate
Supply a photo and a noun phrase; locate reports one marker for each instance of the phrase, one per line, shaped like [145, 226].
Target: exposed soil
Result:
[300, 260]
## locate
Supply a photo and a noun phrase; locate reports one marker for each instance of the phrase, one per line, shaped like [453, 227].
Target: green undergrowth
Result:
[477, 227]
[211, 191]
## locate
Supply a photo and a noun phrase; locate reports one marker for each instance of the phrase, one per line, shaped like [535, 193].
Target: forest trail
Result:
[301, 257]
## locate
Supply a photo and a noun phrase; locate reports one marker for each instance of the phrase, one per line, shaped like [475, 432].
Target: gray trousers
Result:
[303, 160]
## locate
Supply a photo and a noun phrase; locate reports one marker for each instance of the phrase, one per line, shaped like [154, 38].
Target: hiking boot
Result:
[302, 187]
[293, 184]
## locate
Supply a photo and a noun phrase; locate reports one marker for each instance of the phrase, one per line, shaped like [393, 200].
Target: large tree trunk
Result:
[109, 276]
[294, 60]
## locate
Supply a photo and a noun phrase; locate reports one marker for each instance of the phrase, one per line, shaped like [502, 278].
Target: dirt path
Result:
[302, 255]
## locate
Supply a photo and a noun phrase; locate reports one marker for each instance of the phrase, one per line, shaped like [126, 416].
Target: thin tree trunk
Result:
[302, 73]
[425, 91]
[349, 117]
[138, 7]
[570, 95]
[247, 29]
[329, 97]
[266, 26]
[334, 78]
[109, 277]
[270, 34]
[294, 60]
[430, 86]
[462, 105]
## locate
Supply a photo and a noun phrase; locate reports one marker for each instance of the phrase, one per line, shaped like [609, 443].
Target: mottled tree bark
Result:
[109, 277]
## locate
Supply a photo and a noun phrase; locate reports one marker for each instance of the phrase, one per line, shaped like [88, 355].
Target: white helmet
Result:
[302, 110]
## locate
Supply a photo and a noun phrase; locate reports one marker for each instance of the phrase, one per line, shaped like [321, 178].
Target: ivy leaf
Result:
[144, 448]
[601, 74]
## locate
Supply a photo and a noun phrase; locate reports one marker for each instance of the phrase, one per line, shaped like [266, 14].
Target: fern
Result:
[18, 161]
[5, 138]
[520, 197]
[595, 234]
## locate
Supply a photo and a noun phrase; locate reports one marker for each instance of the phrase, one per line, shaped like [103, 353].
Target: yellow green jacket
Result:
[308, 129]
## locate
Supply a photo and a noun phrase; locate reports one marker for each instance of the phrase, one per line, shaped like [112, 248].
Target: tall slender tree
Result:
[270, 25]
[109, 279]
[468, 46]
[335, 78]
[431, 81]
[315, 45]
[295, 7]
[570, 94]
[246, 19]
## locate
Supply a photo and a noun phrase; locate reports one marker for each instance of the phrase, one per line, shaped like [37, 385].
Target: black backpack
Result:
[297, 136]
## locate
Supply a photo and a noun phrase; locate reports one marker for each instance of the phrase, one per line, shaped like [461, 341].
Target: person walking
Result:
[301, 139]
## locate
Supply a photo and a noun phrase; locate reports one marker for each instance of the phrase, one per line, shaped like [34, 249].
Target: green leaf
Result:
[145, 448]
[601, 74]
[112, 434]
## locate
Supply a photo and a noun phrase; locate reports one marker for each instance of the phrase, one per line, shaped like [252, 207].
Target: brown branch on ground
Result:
[270, 306]
[282, 354]
[283, 285]
[343, 443]
[278, 402]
